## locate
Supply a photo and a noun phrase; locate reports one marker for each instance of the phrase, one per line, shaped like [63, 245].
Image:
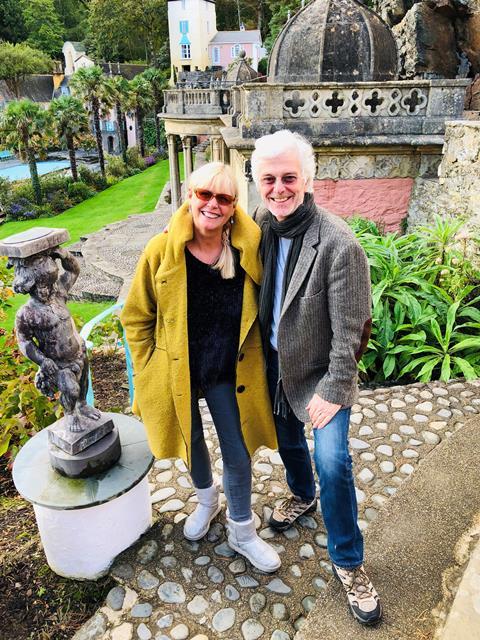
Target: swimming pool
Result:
[21, 171]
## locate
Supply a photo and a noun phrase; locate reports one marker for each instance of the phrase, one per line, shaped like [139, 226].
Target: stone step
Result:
[411, 547]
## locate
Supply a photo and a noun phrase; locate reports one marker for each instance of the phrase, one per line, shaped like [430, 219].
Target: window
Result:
[183, 26]
[183, 4]
[185, 55]
[216, 55]
[235, 50]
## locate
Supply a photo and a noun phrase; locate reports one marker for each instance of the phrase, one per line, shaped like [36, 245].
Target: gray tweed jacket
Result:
[326, 316]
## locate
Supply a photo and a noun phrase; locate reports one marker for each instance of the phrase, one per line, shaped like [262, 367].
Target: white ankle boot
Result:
[198, 523]
[243, 538]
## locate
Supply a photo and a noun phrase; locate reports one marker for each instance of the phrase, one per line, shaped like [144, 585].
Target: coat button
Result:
[241, 357]
[241, 388]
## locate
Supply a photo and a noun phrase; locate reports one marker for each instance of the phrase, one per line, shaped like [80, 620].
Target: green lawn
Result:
[137, 194]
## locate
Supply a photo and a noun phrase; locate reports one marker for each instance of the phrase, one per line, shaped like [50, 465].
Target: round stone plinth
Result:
[96, 459]
[85, 523]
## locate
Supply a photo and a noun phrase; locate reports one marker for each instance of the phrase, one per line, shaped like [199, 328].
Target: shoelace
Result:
[289, 505]
[360, 585]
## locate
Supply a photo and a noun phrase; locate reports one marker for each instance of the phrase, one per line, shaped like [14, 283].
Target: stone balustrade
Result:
[363, 109]
[189, 101]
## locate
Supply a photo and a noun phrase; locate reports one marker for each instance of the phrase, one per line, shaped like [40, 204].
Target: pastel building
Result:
[225, 47]
[195, 43]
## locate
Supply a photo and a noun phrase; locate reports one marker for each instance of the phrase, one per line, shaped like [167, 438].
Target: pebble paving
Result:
[173, 589]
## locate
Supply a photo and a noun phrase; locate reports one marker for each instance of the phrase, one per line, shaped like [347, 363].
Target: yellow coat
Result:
[155, 321]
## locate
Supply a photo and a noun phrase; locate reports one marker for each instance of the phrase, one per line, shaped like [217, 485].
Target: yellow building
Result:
[191, 24]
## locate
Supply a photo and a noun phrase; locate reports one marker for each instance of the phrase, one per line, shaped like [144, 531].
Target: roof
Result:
[128, 71]
[38, 88]
[78, 46]
[236, 37]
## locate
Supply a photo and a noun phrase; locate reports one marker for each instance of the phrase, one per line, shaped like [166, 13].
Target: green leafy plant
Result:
[23, 409]
[425, 294]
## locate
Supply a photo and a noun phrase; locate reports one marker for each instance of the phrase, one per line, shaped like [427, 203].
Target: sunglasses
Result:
[221, 198]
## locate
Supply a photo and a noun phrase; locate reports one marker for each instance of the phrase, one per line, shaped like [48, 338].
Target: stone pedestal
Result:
[85, 523]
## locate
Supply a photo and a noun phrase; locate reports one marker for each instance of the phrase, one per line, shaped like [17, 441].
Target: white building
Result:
[195, 42]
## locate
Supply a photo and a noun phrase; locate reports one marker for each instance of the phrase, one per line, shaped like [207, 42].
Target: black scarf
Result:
[294, 227]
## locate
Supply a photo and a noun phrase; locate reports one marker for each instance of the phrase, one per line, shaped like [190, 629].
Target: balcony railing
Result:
[213, 101]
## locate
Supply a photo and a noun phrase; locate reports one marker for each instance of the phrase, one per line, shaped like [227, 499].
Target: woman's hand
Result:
[321, 411]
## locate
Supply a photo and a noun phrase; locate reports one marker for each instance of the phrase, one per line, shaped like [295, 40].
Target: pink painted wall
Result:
[226, 53]
[383, 200]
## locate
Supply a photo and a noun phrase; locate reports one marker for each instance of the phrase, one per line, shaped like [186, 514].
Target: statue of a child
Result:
[47, 335]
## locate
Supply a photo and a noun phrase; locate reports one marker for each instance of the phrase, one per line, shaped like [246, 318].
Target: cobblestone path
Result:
[172, 589]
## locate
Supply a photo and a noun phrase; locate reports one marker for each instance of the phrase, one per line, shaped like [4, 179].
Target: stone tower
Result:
[191, 25]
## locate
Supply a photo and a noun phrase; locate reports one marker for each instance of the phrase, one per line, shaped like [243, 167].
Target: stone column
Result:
[174, 171]
[217, 149]
[187, 156]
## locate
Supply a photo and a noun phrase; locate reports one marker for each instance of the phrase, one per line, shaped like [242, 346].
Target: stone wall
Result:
[433, 34]
[456, 190]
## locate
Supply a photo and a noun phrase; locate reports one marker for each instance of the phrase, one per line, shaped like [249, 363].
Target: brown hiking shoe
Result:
[289, 510]
[361, 595]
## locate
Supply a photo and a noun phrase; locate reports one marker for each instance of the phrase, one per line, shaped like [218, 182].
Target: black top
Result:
[214, 311]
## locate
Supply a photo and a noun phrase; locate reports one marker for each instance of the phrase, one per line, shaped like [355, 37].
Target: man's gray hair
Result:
[281, 142]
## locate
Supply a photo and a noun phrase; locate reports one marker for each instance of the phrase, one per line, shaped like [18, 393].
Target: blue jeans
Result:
[334, 468]
[237, 470]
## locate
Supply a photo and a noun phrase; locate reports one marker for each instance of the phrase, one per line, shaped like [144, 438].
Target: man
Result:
[314, 311]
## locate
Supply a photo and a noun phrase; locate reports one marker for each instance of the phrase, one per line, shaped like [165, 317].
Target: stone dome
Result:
[334, 41]
[240, 71]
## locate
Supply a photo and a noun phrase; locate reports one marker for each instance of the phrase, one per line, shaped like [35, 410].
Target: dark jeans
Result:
[334, 469]
[237, 471]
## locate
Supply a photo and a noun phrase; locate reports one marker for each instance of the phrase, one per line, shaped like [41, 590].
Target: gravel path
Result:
[172, 589]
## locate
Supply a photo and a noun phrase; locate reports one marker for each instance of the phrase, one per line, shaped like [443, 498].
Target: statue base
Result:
[99, 457]
[85, 523]
[74, 442]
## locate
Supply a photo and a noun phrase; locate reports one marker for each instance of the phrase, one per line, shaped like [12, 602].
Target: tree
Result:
[149, 19]
[89, 85]
[19, 60]
[12, 27]
[140, 102]
[24, 125]
[109, 30]
[70, 121]
[279, 10]
[158, 81]
[45, 31]
[73, 16]
[128, 29]
[116, 87]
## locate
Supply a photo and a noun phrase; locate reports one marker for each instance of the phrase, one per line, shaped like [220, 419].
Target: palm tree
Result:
[89, 84]
[24, 125]
[140, 102]
[158, 82]
[70, 121]
[117, 89]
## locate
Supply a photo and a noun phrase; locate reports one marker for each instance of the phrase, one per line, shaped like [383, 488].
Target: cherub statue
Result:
[47, 335]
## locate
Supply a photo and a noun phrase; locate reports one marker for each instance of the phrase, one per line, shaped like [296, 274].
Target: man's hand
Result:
[321, 411]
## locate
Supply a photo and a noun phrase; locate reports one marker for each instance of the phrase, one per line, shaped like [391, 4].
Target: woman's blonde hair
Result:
[219, 178]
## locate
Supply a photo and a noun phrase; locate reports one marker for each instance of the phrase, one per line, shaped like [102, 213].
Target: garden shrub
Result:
[5, 194]
[134, 159]
[426, 305]
[91, 178]
[19, 208]
[23, 189]
[59, 200]
[23, 409]
[79, 191]
[150, 161]
[116, 167]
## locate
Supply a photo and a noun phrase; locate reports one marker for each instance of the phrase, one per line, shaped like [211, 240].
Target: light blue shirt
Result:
[283, 249]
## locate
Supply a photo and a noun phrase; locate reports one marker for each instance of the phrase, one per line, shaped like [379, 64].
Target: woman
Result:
[191, 324]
